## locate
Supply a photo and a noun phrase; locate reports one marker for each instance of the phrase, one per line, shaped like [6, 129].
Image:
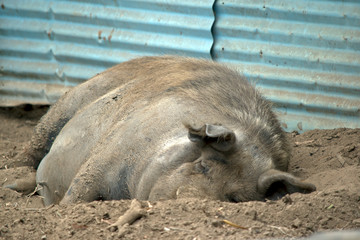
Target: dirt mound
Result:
[328, 158]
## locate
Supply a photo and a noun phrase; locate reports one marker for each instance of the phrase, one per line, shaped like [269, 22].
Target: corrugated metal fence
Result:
[303, 55]
[48, 46]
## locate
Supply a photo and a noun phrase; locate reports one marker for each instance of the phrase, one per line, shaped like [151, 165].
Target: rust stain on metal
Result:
[49, 34]
[110, 36]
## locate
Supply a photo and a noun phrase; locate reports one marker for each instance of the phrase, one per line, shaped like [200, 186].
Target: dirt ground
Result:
[328, 158]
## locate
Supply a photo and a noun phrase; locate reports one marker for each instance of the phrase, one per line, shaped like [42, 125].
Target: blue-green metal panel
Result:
[303, 55]
[46, 47]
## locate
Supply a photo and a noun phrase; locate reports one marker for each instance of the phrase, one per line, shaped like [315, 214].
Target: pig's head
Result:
[231, 167]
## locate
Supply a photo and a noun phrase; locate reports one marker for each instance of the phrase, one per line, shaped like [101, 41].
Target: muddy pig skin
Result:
[162, 128]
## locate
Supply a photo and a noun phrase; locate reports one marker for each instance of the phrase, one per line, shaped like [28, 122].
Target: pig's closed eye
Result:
[217, 159]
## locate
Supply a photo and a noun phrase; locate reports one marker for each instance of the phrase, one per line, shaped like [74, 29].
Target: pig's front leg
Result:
[85, 187]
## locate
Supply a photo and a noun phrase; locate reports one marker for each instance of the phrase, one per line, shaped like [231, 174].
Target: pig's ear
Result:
[274, 184]
[219, 137]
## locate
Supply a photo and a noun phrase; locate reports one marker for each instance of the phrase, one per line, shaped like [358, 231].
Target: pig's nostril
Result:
[100, 198]
[276, 191]
[232, 198]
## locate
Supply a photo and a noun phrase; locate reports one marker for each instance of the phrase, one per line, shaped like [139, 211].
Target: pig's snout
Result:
[274, 184]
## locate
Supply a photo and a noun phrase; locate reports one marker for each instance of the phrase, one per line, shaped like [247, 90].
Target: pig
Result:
[156, 128]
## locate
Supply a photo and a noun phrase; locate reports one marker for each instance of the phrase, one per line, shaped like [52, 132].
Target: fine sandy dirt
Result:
[328, 158]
